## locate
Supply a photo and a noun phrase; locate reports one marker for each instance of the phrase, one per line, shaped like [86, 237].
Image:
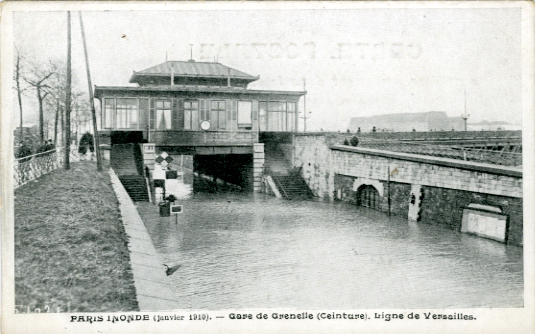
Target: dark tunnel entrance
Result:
[223, 172]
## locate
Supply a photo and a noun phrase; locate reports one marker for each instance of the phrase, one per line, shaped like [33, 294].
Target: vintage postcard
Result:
[308, 167]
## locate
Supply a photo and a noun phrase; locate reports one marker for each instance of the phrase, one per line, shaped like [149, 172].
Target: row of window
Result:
[164, 114]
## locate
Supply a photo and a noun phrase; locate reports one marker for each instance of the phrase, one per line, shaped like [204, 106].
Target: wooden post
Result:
[66, 163]
[91, 100]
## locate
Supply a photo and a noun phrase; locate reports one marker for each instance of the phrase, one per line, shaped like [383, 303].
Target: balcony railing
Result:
[203, 138]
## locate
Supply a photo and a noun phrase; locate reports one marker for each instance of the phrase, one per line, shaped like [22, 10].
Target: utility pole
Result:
[305, 107]
[91, 100]
[66, 163]
[465, 115]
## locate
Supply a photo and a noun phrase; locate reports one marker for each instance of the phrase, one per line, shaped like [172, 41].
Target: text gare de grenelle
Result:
[351, 316]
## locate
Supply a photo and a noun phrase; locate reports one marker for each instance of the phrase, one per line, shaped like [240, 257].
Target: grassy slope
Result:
[70, 245]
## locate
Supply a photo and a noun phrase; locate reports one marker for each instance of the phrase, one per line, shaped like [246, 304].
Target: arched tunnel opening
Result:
[223, 172]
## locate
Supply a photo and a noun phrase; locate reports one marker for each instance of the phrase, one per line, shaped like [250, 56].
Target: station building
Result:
[194, 108]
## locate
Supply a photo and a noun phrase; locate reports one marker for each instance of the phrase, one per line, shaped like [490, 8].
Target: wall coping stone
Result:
[467, 165]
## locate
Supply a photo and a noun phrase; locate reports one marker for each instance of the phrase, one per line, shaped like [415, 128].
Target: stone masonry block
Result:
[258, 148]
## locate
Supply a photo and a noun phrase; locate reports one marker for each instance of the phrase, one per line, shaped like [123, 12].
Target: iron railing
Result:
[34, 166]
[503, 157]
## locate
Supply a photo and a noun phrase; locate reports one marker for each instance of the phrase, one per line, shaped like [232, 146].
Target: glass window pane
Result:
[213, 119]
[163, 119]
[108, 113]
[291, 121]
[245, 112]
[282, 121]
[194, 119]
[159, 104]
[291, 106]
[222, 119]
[187, 119]
[277, 106]
[262, 115]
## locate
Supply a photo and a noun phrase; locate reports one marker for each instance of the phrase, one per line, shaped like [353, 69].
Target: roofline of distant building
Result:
[209, 89]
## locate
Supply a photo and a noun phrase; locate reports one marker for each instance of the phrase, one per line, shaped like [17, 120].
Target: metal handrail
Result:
[280, 186]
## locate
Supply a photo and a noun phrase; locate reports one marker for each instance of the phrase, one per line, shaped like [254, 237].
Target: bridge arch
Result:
[368, 196]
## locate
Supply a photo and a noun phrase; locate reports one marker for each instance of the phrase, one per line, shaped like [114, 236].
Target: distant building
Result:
[493, 126]
[404, 122]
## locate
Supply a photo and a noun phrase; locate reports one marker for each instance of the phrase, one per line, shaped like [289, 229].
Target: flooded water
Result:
[258, 251]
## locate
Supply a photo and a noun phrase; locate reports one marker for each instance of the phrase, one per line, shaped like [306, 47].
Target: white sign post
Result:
[175, 210]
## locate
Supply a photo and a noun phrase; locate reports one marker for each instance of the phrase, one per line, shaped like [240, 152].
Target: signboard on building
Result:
[485, 224]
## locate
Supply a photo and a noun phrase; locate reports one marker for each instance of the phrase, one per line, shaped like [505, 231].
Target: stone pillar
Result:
[415, 202]
[105, 152]
[149, 154]
[258, 166]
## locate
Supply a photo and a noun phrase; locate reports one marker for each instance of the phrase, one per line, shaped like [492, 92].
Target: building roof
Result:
[192, 69]
[205, 89]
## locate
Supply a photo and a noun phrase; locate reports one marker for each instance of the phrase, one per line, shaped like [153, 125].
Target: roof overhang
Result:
[136, 76]
[99, 90]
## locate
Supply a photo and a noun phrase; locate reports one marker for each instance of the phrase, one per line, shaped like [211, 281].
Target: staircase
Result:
[122, 159]
[275, 162]
[127, 164]
[288, 180]
[136, 187]
[292, 187]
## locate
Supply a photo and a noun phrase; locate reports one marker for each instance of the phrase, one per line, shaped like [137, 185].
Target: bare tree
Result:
[37, 78]
[66, 163]
[56, 104]
[17, 76]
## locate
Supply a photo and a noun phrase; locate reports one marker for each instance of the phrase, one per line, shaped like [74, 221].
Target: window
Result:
[291, 116]
[127, 114]
[191, 115]
[163, 115]
[245, 109]
[262, 116]
[277, 116]
[205, 112]
[108, 113]
[219, 114]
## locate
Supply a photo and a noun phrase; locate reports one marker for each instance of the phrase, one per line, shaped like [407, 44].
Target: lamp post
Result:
[305, 113]
[465, 115]
[305, 120]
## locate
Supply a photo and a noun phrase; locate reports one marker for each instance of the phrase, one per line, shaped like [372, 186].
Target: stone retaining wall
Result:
[335, 172]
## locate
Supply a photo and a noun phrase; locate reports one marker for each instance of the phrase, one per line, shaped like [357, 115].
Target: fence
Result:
[34, 166]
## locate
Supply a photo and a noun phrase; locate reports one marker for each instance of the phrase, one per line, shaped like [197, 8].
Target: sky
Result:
[355, 62]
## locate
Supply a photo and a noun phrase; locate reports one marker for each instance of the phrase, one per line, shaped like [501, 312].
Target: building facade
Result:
[202, 109]
[184, 103]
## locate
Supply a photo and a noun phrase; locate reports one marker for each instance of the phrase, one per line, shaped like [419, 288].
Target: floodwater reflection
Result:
[257, 251]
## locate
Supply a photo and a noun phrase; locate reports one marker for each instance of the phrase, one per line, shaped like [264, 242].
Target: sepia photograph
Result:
[187, 163]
